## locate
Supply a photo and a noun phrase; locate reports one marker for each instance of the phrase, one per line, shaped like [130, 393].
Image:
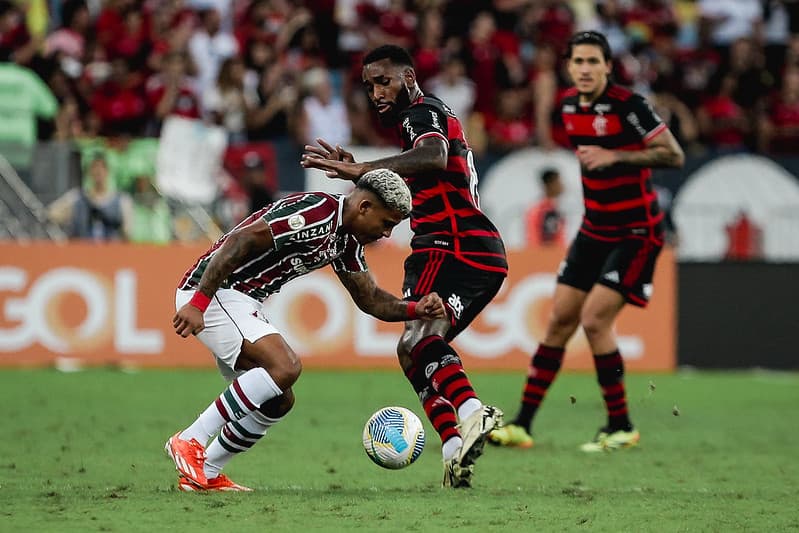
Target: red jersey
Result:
[446, 211]
[619, 199]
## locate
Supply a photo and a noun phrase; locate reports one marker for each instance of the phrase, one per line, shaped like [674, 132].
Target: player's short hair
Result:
[396, 54]
[593, 38]
[389, 187]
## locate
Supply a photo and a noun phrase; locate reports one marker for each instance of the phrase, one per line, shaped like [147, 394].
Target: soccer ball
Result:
[393, 437]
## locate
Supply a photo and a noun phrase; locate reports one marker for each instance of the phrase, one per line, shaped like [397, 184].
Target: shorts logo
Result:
[429, 369]
[613, 276]
[456, 305]
[296, 221]
[562, 267]
[648, 290]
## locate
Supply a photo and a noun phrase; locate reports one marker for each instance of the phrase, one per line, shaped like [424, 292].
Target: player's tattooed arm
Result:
[241, 245]
[662, 150]
[383, 305]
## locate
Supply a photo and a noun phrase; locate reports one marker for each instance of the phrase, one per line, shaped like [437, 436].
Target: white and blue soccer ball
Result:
[393, 437]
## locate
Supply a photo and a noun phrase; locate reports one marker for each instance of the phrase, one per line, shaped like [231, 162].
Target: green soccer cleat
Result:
[512, 436]
[608, 441]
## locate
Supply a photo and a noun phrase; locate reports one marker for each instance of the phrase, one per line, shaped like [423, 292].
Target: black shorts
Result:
[625, 265]
[466, 290]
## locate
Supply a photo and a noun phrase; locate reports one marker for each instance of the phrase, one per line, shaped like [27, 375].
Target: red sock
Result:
[610, 374]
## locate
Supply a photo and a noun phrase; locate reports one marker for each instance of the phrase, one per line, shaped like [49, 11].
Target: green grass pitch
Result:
[83, 452]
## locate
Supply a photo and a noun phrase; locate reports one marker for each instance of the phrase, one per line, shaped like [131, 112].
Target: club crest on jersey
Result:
[296, 221]
[600, 125]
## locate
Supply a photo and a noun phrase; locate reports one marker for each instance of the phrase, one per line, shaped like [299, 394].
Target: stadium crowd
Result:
[724, 74]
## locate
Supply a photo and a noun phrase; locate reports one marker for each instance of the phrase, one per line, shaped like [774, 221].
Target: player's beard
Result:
[390, 118]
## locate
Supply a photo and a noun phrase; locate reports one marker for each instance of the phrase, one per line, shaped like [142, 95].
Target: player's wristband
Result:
[200, 301]
[411, 309]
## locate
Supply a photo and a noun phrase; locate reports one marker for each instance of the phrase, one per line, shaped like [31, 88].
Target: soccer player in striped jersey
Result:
[618, 138]
[456, 250]
[219, 300]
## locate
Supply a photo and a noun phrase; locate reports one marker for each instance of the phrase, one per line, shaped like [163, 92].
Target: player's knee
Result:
[286, 371]
[278, 407]
[594, 324]
[561, 323]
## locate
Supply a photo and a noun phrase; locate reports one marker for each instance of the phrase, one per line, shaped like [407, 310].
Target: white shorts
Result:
[231, 318]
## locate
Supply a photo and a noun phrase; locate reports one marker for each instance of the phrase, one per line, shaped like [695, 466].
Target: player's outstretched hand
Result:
[188, 321]
[335, 161]
[326, 151]
[431, 307]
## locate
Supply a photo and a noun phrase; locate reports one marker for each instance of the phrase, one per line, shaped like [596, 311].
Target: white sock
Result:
[450, 448]
[468, 408]
[235, 437]
[243, 396]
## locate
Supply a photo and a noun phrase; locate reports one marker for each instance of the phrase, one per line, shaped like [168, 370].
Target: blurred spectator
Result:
[453, 87]
[24, 99]
[722, 122]
[511, 127]
[554, 23]
[171, 28]
[544, 89]
[277, 97]
[646, 21]
[483, 61]
[779, 124]
[16, 43]
[255, 182]
[68, 42]
[776, 34]
[209, 46]
[72, 106]
[95, 211]
[171, 91]
[725, 21]
[695, 68]
[151, 219]
[322, 113]
[428, 53]
[609, 21]
[134, 40]
[225, 103]
[119, 103]
[746, 62]
[544, 222]
[676, 115]
[665, 203]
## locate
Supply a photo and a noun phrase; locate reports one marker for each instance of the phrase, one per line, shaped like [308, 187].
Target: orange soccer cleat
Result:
[189, 458]
[220, 483]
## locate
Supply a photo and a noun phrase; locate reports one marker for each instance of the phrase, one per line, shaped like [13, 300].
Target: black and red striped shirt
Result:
[307, 233]
[446, 211]
[618, 199]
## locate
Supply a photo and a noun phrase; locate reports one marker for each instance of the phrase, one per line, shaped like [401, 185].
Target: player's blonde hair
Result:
[389, 187]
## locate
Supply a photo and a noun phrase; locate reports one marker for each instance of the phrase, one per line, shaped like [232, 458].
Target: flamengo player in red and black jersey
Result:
[220, 301]
[617, 138]
[456, 250]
